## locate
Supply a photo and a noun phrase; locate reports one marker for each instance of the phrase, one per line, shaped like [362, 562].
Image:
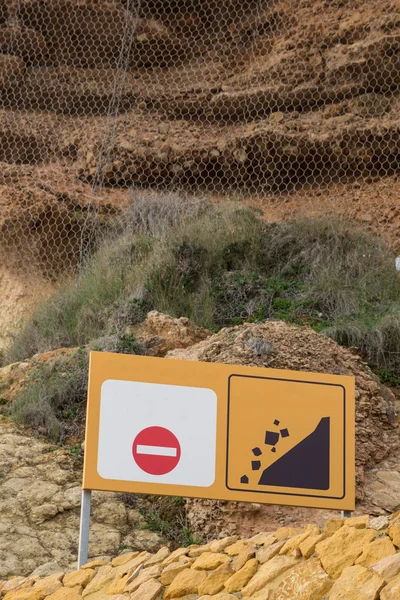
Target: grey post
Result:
[346, 514]
[84, 528]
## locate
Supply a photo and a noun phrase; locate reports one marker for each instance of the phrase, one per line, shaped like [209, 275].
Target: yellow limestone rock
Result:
[145, 575]
[215, 581]
[118, 585]
[392, 590]
[195, 551]
[161, 555]
[220, 545]
[265, 554]
[49, 585]
[388, 567]
[221, 596]
[357, 583]
[208, 561]
[82, 577]
[332, 526]
[285, 533]
[394, 532]
[66, 594]
[94, 563]
[264, 594]
[267, 572]
[169, 573]
[132, 564]
[16, 583]
[343, 548]
[186, 582]
[236, 548]
[123, 559]
[147, 591]
[307, 546]
[175, 556]
[306, 581]
[242, 577]
[246, 554]
[263, 539]
[24, 594]
[357, 522]
[294, 542]
[104, 576]
[102, 595]
[375, 551]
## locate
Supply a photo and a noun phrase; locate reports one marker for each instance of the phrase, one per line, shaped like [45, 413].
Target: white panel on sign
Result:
[157, 433]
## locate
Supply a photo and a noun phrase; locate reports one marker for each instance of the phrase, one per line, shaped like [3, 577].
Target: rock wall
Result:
[40, 497]
[351, 559]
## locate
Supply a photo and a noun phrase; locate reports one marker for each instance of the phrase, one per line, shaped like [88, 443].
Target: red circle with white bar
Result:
[156, 450]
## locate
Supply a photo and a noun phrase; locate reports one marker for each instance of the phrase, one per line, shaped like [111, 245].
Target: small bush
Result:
[391, 378]
[54, 396]
[164, 515]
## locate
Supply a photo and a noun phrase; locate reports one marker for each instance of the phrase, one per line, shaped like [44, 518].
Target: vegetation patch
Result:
[164, 515]
[54, 396]
[222, 265]
[53, 399]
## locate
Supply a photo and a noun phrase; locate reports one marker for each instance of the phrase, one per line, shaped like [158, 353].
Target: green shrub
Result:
[54, 397]
[164, 515]
[391, 378]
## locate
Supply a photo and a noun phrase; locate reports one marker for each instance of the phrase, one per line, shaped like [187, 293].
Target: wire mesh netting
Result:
[290, 105]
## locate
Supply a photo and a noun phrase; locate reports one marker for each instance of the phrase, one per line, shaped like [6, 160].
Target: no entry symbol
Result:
[156, 450]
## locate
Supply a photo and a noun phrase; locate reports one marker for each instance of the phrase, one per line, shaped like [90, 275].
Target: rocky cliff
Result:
[278, 97]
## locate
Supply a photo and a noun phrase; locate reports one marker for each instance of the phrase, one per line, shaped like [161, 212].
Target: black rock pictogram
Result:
[271, 438]
[284, 433]
[256, 465]
[244, 479]
[306, 465]
[256, 451]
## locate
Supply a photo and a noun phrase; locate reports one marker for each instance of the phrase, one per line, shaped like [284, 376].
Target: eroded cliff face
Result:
[292, 106]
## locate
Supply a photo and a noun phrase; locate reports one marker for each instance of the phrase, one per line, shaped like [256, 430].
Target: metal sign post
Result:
[84, 528]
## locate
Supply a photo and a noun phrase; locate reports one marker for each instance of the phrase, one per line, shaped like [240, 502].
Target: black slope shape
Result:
[304, 466]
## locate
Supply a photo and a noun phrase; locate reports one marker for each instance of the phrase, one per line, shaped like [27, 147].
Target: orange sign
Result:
[182, 428]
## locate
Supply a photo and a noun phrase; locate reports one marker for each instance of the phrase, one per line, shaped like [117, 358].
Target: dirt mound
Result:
[280, 346]
[343, 560]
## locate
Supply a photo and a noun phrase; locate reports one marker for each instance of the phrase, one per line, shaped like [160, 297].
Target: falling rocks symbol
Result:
[306, 465]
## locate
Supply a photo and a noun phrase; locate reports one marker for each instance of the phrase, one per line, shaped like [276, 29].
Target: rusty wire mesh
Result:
[292, 105]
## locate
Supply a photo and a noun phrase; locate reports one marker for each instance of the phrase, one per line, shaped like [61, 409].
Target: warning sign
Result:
[159, 426]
